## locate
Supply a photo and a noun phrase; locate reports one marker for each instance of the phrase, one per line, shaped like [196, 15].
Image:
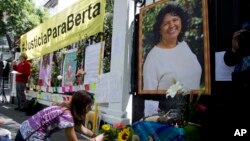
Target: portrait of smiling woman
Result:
[168, 57]
[171, 57]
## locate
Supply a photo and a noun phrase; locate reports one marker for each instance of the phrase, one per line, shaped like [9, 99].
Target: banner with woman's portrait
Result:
[69, 67]
[45, 70]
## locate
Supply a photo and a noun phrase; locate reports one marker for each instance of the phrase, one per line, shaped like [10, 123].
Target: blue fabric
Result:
[243, 65]
[4, 138]
[245, 25]
[158, 131]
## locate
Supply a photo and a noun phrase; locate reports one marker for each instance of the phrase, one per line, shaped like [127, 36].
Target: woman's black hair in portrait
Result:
[173, 9]
[80, 105]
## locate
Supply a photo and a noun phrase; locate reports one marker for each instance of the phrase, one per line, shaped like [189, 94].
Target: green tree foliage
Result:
[147, 28]
[108, 27]
[21, 16]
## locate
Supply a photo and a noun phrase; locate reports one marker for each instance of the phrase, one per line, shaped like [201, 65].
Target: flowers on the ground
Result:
[124, 134]
[117, 131]
[106, 127]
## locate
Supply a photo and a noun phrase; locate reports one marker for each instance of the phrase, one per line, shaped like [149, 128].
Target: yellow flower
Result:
[106, 127]
[123, 135]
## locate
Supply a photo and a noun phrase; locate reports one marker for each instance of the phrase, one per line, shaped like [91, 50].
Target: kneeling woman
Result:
[69, 116]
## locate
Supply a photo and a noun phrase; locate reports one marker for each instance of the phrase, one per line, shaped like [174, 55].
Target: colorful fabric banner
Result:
[69, 68]
[85, 17]
[45, 70]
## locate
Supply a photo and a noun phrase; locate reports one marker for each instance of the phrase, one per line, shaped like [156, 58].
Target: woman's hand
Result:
[84, 130]
[13, 63]
[100, 137]
[2, 121]
[235, 44]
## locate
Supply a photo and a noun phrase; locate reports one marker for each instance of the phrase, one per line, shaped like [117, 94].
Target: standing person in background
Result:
[6, 70]
[1, 71]
[69, 116]
[171, 58]
[238, 55]
[22, 75]
[4, 77]
[1, 80]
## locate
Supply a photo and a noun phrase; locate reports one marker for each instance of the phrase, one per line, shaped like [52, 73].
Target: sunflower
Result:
[123, 135]
[106, 127]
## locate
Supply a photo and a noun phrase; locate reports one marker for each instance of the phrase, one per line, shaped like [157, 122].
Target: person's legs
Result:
[4, 99]
[18, 95]
[22, 96]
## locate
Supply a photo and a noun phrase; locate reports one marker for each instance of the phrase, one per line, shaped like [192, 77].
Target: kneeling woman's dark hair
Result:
[80, 105]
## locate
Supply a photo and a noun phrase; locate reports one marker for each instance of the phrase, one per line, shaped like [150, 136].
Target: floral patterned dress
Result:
[47, 121]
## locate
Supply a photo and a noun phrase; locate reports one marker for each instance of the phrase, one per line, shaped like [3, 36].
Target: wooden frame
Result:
[200, 46]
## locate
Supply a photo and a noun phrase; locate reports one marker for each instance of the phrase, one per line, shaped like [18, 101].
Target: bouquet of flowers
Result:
[117, 132]
[189, 105]
[190, 111]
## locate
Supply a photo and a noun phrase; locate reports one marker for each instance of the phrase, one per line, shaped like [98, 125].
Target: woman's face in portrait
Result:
[170, 27]
[45, 60]
[69, 67]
